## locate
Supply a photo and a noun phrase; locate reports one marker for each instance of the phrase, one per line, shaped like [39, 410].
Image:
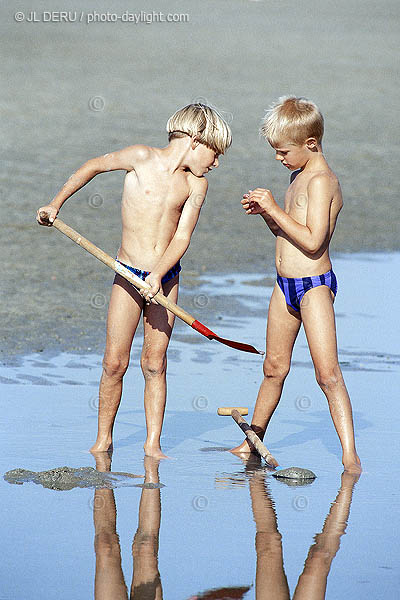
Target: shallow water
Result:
[214, 507]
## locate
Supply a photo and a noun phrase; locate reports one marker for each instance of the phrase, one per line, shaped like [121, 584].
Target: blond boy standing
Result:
[164, 191]
[306, 284]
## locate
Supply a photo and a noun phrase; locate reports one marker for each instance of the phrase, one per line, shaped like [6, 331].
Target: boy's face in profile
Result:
[204, 159]
[292, 156]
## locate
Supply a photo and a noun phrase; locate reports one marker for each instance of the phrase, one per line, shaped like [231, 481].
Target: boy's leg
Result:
[158, 324]
[319, 325]
[282, 328]
[123, 317]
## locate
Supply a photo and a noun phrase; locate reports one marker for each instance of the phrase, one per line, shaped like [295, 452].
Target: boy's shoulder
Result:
[323, 177]
[139, 151]
[324, 184]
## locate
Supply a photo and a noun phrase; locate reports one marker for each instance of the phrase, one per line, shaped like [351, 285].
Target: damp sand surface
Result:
[77, 90]
[223, 512]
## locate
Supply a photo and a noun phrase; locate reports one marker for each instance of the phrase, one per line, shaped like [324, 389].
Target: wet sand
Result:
[77, 90]
[216, 502]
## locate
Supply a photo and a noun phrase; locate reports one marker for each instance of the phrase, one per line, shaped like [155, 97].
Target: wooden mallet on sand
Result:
[290, 474]
[235, 413]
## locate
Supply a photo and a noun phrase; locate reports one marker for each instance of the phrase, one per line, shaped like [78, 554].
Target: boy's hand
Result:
[155, 281]
[258, 202]
[46, 215]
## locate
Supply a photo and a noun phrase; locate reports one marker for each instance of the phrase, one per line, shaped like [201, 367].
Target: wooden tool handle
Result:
[120, 269]
[226, 411]
[254, 439]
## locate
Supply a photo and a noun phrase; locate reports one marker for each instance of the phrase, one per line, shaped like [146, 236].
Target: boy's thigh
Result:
[158, 321]
[124, 312]
[319, 324]
[282, 326]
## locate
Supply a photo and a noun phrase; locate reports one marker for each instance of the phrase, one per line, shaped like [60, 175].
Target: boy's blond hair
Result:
[292, 119]
[202, 123]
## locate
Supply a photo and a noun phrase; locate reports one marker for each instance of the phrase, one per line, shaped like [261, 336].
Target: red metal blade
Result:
[213, 336]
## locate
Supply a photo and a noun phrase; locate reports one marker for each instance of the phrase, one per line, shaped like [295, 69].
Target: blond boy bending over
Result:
[306, 285]
[163, 193]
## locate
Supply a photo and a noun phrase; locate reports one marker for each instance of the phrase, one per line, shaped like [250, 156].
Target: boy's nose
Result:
[279, 157]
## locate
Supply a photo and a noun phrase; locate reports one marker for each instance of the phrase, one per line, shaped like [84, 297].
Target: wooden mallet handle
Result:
[226, 411]
[254, 439]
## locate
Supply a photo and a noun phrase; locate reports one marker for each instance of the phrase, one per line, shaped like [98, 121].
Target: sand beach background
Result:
[74, 90]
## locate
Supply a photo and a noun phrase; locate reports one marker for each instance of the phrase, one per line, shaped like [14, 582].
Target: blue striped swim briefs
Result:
[294, 288]
[173, 272]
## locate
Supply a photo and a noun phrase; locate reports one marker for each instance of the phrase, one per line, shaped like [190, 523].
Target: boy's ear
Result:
[195, 143]
[311, 143]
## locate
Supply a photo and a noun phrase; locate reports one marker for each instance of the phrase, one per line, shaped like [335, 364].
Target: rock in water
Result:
[295, 473]
[66, 478]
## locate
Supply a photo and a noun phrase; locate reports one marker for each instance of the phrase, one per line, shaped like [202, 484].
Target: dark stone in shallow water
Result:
[295, 473]
[66, 478]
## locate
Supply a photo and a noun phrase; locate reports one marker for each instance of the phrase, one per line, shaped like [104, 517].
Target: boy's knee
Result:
[115, 366]
[328, 377]
[275, 368]
[153, 366]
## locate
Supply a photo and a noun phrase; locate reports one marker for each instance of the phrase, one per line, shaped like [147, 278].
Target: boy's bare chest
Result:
[296, 201]
[153, 188]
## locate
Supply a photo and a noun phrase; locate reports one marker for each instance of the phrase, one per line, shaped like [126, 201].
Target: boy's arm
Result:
[181, 239]
[311, 236]
[120, 160]
[273, 227]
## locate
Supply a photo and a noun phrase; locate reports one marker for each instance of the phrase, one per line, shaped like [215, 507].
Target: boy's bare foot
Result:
[102, 446]
[352, 465]
[245, 448]
[154, 451]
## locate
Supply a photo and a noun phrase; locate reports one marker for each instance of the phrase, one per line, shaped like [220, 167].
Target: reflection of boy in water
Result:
[306, 285]
[271, 582]
[109, 579]
[163, 193]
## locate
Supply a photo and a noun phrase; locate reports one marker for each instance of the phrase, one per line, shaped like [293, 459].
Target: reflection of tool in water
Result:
[141, 285]
[227, 593]
[291, 473]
